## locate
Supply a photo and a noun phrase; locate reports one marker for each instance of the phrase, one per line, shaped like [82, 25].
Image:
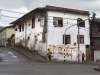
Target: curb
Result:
[97, 69]
[28, 56]
[54, 61]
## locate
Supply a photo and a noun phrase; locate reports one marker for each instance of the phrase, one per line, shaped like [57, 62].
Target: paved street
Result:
[25, 66]
[10, 55]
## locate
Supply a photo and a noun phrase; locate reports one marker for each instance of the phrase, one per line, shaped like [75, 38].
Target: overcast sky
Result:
[28, 5]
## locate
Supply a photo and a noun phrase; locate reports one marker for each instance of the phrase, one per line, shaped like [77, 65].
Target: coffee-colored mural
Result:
[67, 51]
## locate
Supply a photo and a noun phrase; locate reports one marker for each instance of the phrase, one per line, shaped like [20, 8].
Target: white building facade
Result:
[46, 27]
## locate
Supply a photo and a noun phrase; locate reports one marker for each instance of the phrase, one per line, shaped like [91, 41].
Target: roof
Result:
[6, 27]
[54, 8]
[49, 8]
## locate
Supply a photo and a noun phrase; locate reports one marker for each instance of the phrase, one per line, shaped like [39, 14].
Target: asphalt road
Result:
[29, 67]
[10, 55]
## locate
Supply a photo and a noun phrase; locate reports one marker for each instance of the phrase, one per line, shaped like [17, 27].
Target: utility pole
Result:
[78, 45]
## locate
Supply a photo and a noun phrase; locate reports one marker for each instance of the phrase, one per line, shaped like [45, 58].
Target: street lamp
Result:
[78, 37]
[67, 40]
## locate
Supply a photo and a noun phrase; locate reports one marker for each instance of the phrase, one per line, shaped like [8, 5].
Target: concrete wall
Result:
[55, 36]
[97, 55]
[9, 32]
[5, 34]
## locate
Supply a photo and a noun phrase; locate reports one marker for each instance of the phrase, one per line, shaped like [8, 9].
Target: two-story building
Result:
[5, 34]
[55, 28]
[95, 39]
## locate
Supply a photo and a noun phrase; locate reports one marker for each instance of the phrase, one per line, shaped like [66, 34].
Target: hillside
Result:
[1, 27]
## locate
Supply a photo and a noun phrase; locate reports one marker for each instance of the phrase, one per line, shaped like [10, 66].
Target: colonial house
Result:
[5, 34]
[95, 39]
[57, 28]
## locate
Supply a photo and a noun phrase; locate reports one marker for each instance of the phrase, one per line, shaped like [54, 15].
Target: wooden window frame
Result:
[81, 39]
[67, 38]
[97, 41]
[58, 21]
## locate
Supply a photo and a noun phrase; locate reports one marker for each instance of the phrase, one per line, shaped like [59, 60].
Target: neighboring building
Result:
[0, 39]
[95, 39]
[5, 34]
[12, 38]
[44, 28]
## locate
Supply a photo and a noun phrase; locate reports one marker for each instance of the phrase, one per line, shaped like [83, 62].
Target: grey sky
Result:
[28, 5]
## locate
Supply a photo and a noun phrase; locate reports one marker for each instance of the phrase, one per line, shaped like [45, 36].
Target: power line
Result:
[11, 11]
[8, 16]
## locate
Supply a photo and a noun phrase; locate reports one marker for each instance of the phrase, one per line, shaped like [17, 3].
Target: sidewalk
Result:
[31, 55]
[37, 57]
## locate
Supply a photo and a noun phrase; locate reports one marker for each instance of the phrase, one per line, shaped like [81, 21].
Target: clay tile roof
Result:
[54, 8]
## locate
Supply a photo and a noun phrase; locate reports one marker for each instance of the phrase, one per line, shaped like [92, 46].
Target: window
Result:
[42, 22]
[96, 28]
[91, 43]
[15, 29]
[67, 39]
[20, 28]
[80, 22]
[23, 27]
[80, 39]
[57, 21]
[97, 41]
[33, 22]
[43, 37]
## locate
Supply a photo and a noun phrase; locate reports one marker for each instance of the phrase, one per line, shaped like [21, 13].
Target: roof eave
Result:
[30, 14]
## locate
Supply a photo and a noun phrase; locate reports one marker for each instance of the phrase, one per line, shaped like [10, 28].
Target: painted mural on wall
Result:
[70, 52]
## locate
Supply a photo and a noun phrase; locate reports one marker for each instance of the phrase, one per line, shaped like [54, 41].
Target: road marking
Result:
[15, 60]
[12, 55]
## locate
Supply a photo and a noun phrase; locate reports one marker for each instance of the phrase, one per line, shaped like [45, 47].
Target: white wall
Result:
[37, 31]
[97, 55]
[55, 34]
